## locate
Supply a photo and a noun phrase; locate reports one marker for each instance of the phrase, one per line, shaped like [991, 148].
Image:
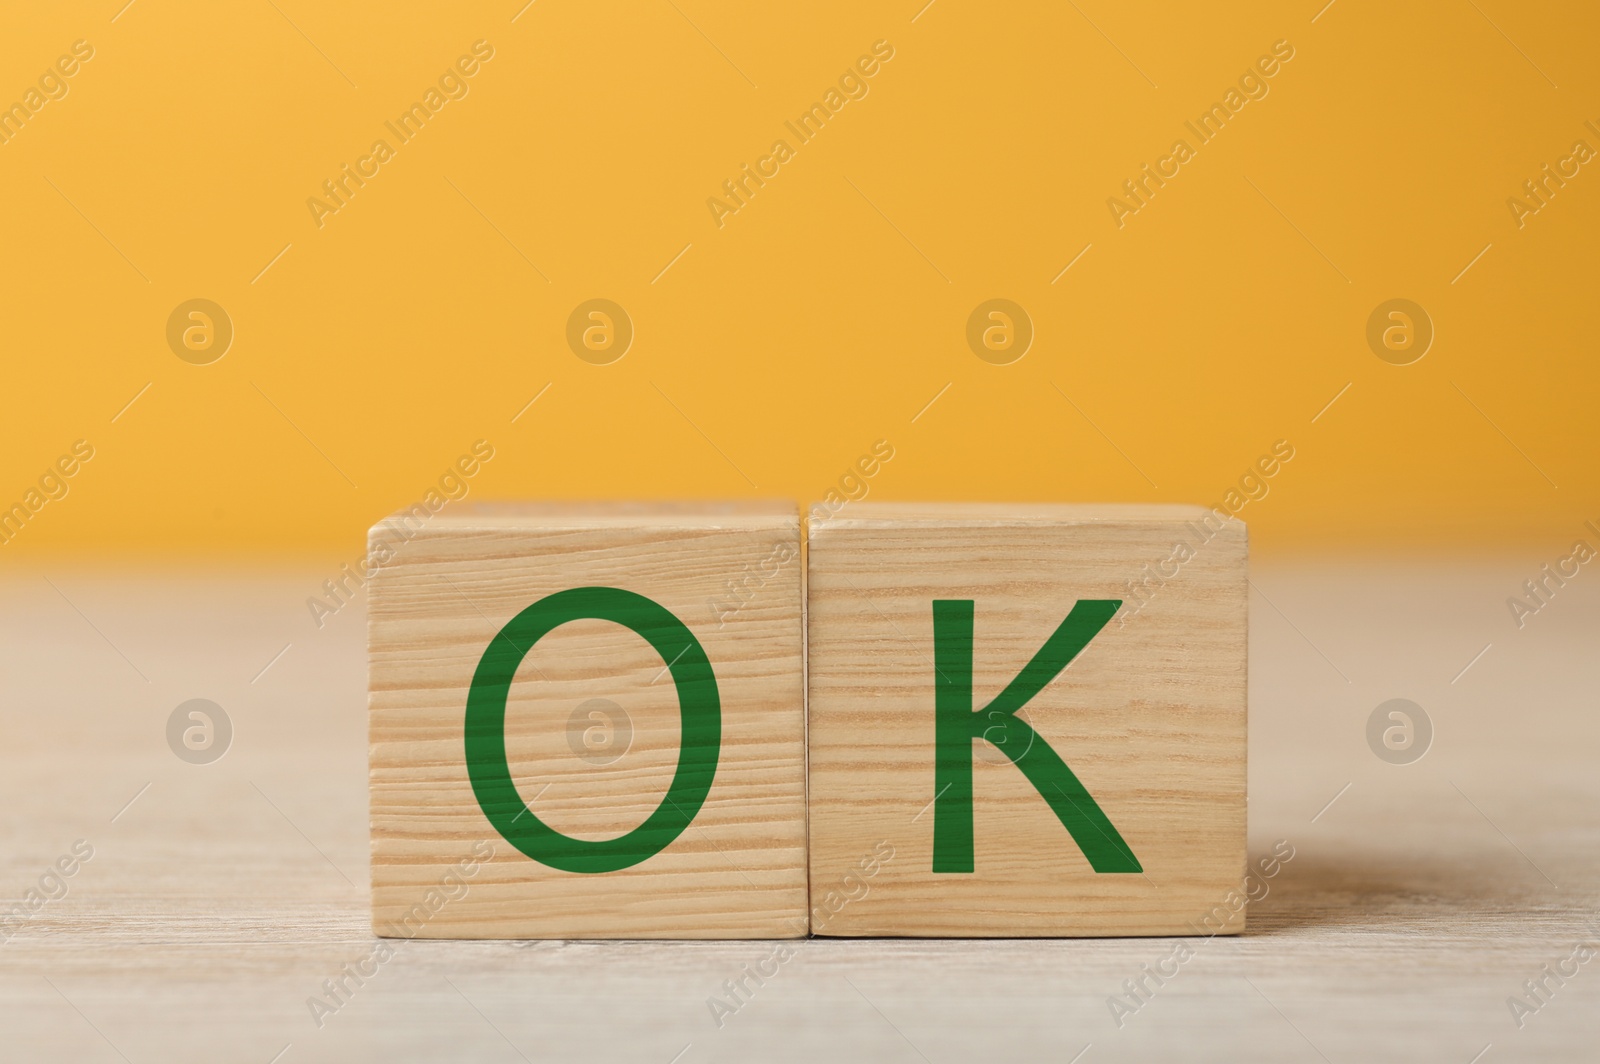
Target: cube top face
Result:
[587, 721]
[1116, 636]
[606, 513]
[979, 514]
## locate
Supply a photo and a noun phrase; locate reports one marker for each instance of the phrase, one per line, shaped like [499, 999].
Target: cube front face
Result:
[1129, 819]
[533, 773]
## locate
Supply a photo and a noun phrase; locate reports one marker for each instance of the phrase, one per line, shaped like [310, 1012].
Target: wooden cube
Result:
[587, 721]
[1027, 720]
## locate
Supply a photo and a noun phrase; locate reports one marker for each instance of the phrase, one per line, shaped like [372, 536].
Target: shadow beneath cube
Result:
[1389, 891]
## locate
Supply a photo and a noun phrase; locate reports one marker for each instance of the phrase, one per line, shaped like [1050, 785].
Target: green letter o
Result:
[698, 704]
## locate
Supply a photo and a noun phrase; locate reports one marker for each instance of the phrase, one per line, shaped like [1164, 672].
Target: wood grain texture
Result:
[1150, 716]
[592, 723]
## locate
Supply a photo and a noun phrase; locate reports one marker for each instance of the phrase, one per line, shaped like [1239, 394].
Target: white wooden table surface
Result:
[220, 897]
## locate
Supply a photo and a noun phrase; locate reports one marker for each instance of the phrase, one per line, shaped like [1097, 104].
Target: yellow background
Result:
[829, 311]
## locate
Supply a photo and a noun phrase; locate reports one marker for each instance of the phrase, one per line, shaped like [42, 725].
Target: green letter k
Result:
[956, 724]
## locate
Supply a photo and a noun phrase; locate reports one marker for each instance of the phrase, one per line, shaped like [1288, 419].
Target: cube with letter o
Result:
[587, 721]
